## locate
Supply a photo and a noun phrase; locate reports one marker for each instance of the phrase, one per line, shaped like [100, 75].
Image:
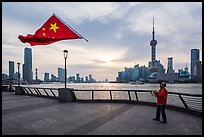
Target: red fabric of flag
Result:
[52, 30]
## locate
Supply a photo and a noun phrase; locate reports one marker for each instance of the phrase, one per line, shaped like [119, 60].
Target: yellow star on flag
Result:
[54, 27]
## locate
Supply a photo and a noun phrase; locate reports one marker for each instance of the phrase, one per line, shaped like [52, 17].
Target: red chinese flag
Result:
[52, 30]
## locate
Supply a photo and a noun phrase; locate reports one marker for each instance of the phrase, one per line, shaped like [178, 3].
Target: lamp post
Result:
[18, 74]
[36, 77]
[65, 57]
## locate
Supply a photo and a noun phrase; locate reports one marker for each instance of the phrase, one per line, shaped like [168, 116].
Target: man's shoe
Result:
[163, 121]
[156, 119]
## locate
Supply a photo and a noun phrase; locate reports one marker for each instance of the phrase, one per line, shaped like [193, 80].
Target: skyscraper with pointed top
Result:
[153, 44]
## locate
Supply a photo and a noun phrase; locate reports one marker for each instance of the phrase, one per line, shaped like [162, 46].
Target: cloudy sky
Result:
[118, 32]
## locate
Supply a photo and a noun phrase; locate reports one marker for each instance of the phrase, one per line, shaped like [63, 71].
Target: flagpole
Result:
[70, 27]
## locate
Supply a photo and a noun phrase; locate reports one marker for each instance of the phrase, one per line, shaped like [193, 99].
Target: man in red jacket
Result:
[161, 102]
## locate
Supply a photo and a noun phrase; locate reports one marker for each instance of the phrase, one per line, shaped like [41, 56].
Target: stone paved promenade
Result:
[27, 115]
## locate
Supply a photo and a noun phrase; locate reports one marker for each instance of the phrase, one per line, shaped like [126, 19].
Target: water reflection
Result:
[179, 88]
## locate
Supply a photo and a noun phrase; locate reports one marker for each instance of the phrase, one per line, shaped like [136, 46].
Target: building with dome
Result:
[184, 74]
[153, 77]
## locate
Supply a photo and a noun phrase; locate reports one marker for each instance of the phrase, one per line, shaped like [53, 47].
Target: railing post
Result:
[182, 100]
[92, 95]
[129, 95]
[39, 92]
[110, 95]
[46, 93]
[25, 90]
[36, 91]
[30, 91]
[136, 96]
[53, 93]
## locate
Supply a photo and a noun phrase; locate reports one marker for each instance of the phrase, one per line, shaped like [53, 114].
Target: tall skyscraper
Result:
[46, 77]
[194, 59]
[11, 70]
[86, 78]
[27, 66]
[77, 78]
[153, 44]
[170, 65]
[61, 74]
[90, 78]
[197, 72]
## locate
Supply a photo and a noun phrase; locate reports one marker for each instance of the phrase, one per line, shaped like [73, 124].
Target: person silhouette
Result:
[161, 95]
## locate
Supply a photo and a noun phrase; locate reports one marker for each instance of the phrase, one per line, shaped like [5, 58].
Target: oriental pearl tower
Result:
[153, 44]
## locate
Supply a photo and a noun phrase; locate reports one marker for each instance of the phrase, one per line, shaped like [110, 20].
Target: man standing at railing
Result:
[161, 95]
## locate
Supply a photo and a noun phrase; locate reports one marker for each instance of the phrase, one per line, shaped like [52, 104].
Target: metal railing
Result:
[41, 92]
[178, 101]
[183, 100]
[5, 88]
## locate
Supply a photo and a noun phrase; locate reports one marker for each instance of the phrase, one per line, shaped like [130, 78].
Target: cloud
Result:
[98, 61]
[118, 32]
[83, 11]
[119, 35]
[176, 21]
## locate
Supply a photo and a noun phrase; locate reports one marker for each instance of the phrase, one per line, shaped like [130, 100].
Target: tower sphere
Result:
[153, 42]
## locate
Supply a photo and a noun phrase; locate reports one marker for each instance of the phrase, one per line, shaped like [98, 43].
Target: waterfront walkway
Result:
[28, 115]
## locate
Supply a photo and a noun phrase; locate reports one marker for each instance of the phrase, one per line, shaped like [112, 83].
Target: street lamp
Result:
[18, 74]
[36, 77]
[65, 57]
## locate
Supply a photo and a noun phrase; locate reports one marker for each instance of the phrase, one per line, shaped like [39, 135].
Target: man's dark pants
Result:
[161, 108]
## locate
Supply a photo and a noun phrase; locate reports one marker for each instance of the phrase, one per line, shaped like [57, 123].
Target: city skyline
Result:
[178, 29]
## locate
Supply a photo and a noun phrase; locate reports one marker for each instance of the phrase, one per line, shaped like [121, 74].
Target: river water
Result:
[179, 88]
[142, 96]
